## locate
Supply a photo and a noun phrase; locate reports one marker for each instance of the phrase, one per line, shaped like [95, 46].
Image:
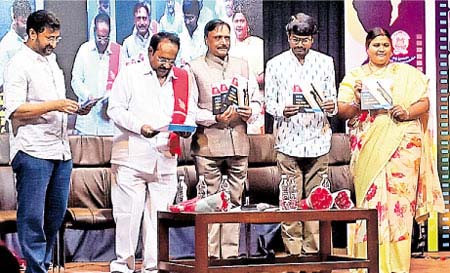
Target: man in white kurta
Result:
[94, 70]
[141, 101]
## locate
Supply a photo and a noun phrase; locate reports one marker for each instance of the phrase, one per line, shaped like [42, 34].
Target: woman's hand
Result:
[357, 91]
[399, 113]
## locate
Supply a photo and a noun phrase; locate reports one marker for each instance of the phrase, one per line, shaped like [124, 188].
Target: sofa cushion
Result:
[91, 150]
[7, 189]
[263, 185]
[261, 150]
[8, 203]
[4, 149]
[90, 188]
[340, 149]
[340, 178]
[87, 218]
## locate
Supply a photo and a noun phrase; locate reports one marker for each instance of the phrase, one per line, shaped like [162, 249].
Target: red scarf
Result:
[113, 68]
[180, 107]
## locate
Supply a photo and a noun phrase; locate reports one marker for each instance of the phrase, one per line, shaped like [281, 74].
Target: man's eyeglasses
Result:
[296, 40]
[53, 39]
[102, 38]
[165, 61]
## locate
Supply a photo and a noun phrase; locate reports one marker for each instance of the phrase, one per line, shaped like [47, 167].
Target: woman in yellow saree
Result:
[392, 159]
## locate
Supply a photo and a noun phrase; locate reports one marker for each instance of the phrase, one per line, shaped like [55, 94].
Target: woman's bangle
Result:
[408, 114]
[355, 104]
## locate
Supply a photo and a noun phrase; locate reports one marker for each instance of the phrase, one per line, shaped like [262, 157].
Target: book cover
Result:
[375, 94]
[89, 103]
[232, 93]
[172, 127]
[216, 100]
[304, 98]
[223, 95]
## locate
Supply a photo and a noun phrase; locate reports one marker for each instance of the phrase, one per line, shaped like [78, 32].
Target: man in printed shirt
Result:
[95, 68]
[144, 161]
[36, 105]
[135, 46]
[303, 139]
[221, 140]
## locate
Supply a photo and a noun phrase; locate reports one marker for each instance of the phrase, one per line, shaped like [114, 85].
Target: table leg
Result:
[372, 242]
[201, 244]
[163, 243]
[325, 241]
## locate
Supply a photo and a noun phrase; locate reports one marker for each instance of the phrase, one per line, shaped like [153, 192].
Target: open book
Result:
[375, 94]
[177, 128]
[90, 103]
[229, 92]
[307, 98]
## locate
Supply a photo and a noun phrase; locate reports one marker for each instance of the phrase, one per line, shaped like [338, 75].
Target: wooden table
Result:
[324, 261]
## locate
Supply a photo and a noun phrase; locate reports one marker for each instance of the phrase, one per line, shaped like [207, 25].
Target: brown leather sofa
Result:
[90, 201]
[8, 201]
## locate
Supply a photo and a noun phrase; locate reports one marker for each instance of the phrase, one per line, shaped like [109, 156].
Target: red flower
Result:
[303, 204]
[363, 116]
[401, 238]
[396, 154]
[398, 209]
[371, 192]
[412, 206]
[320, 198]
[415, 142]
[381, 210]
[353, 142]
[342, 199]
[398, 175]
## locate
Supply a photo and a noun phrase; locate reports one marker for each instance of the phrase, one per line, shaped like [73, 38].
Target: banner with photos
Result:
[187, 18]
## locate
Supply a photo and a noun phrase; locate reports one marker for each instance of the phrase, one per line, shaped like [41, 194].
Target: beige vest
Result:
[219, 139]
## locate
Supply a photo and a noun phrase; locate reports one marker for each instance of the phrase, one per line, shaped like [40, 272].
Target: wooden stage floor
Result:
[432, 263]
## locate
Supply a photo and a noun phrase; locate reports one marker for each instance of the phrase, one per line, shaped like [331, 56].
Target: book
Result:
[317, 97]
[89, 103]
[177, 128]
[218, 92]
[375, 94]
[305, 99]
[229, 92]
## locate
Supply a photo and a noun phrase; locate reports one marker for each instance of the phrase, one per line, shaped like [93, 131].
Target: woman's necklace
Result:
[377, 69]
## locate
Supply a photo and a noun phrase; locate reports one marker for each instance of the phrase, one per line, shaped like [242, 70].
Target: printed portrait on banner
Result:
[133, 22]
[13, 22]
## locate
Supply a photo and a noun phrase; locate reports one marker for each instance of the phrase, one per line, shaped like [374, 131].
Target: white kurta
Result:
[145, 173]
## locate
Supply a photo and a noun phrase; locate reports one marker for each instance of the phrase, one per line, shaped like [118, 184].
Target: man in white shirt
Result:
[11, 43]
[303, 138]
[135, 46]
[36, 105]
[144, 160]
[170, 22]
[95, 68]
[192, 38]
